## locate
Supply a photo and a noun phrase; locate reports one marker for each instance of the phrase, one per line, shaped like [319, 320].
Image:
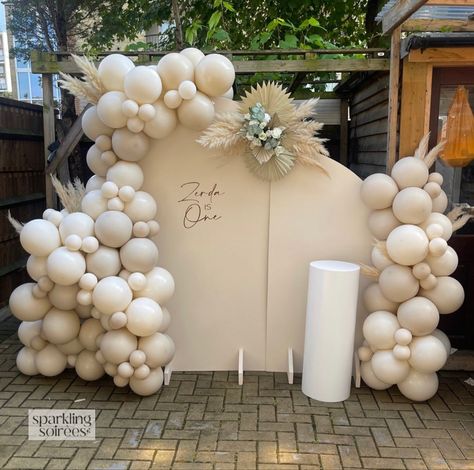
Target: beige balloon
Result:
[87, 366]
[419, 315]
[148, 386]
[412, 206]
[117, 345]
[410, 171]
[388, 368]
[397, 283]
[379, 329]
[419, 386]
[60, 326]
[382, 222]
[407, 245]
[428, 354]
[447, 295]
[374, 300]
[378, 191]
[25, 306]
[50, 361]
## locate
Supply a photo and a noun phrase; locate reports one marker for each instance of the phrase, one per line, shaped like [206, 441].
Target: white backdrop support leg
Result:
[290, 366]
[356, 370]
[241, 366]
[167, 373]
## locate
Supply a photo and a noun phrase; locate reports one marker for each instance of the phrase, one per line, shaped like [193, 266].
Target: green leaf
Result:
[290, 42]
[221, 35]
[214, 20]
[316, 39]
[217, 3]
[228, 6]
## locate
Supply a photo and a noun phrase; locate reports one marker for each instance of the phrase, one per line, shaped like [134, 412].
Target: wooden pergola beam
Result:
[433, 25]
[399, 13]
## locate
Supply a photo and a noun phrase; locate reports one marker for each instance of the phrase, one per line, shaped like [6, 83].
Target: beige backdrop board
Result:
[239, 250]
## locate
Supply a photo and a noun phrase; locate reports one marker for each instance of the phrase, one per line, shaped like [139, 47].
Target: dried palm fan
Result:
[369, 271]
[70, 194]
[270, 131]
[89, 88]
[17, 225]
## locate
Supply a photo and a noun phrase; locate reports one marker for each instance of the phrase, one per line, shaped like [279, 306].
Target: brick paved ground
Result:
[206, 421]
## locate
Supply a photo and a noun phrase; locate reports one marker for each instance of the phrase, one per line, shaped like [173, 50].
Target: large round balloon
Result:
[370, 378]
[87, 367]
[174, 68]
[60, 326]
[388, 368]
[149, 385]
[126, 174]
[158, 348]
[112, 70]
[65, 267]
[39, 237]
[90, 330]
[397, 283]
[113, 228]
[129, 145]
[26, 361]
[25, 306]
[407, 245]
[111, 294]
[159, 286]
[109, 109]
[378, 191]
[141, 207]
[419, 315]
[50, 361]
[445, 264]
[76, 223]
[196, 113]
[418, 386]
[412, 206]
[374, 300]
[163, 122]
[379, 329]
[142, 85]
[447, 295]
[215, 74]
[92, 125]
[428, 354]
[139, 255]
[381, 222]
[117, 345]
[144, 316]
[410, 171]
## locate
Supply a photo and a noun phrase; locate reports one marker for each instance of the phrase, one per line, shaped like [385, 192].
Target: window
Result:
[24, 86]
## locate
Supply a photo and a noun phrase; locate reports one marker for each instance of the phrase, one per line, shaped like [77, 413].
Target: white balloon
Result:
[436, 218]
[94, 182]
[187, 90]
[174, 68]
[50, 361]
[370, 378]
[93, 203]
[160, 286]
[126, 174]
[139, 254]
[419, 315]
[92, 126]
[64, 297]
[113, 228]
[158, 348]
[109, 109]
[25, 306]
[397, 283]
[379, 329]
[117, 345]
[172, 99]
[111, 294]
[39, 237]
[130, 146]
[407, 245]
[144, 316]
[95, 162]
[130, 108]
[378, 191]
[193, 54]
[26, 361]
[374, 300]
[163, 123]
[29, 330]
[379, 259]
[87, 366]
[149, 385]
[196, 113]
[419, 386]
[381, 222]
[214, 74]
[410, 171]
[388, 368]
[142, 85]
[104, 262]
[36, 266]
[447, 295]
[428, 354]
[444, 339]
[112, 71]
[65, 267]
[76, 223]
[412, 205]
[60, 326]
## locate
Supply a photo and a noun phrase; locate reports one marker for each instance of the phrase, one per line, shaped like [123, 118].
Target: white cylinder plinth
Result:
[331, 312]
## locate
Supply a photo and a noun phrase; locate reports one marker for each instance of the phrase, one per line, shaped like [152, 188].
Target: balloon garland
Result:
[98, 298]
[413, 264]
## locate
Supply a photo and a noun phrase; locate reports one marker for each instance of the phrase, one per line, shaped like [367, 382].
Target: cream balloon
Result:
[111, 294]
[436, 218]
[401, 353]
[433, 189]
[407, 244]
[87, 366]
[410, 171]
[93, 203]
[440, 203]
[428, 354]
[103, 143]
[125, 370]
[364, 353]
[95, 162]
[146, 112]
[130, 146]
[92, 125]
[382, 222]
[137, 358]
[166, 321]
[388, 368]
[144, 316]
[379, 329]
[429, 282]
[419, 386]
[447, 295]
[126, 174]
[65, 267]
[29, 330]
[109, 109]
[25, 306]
[60, 326]
[187, 90]
[149, 385]
[39, 237]
[64, 297]
[369, 377]
[94, 182]
[130, 108]
[113, 228]
[374, 300]
[142, 372]
[197, 113]
[164, 121]
[117, 320]
[403, 337]
[36, 267]
[444, 339]
[104, 262]
[26, 361]
[71, 348]
[379, 259]
[158, 348]
[141, 208]
[50, 361]
[90, 330]
[438, 247]
[419, 315]
[174, 68]
[412, 205]
[160, 286]
[135, 125]
[421, 270]
[214, 74]
[194, 55]
[142, 84]
[137, 281]
[139, 254]
[378, 191]
[172, 99]
[117, 345]
[76, 223]
[225, 105]
[397, 283]
[112, 70]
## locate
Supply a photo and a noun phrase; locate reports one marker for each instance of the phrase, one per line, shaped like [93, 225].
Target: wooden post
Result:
[343, 133]
[49, 132]
[393, 98]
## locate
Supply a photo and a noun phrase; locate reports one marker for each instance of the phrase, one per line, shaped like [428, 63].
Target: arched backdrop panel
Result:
[241, 273]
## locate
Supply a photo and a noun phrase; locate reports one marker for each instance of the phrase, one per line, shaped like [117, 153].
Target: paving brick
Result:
[349, 456]
[380, 462]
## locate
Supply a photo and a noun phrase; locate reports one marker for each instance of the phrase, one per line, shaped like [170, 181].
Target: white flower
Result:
[262, 125]
[276, 133]
[253, 123]
[249, 137]
[269, 133]
[279, 150]
[256, 142]
[262, 136]
[267, 117]
[247, 116]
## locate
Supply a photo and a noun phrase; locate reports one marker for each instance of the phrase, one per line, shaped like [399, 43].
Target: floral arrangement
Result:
[270, 131]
